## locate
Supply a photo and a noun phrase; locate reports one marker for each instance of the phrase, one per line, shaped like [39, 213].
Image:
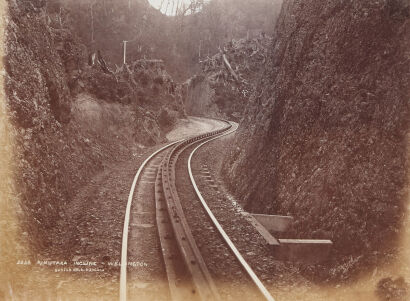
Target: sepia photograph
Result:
[204, 150]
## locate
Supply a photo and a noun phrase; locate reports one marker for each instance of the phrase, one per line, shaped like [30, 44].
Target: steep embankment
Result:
[228, 78]
[71, 119]
[325, 130]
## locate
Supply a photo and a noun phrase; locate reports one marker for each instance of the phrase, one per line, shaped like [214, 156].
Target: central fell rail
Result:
[194, 262]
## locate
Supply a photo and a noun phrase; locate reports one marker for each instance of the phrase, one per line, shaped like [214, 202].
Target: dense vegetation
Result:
[181, 40]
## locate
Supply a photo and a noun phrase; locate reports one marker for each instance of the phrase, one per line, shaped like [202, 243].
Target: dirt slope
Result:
[324, 135]
[70, 119]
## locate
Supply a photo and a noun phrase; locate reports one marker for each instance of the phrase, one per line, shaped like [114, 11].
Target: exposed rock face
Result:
[72, 119]
[39, 100]
[200, 97]
[325, 132]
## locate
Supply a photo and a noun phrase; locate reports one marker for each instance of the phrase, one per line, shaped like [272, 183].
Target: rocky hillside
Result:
[228, 79]
[72, 114]
[325, 130]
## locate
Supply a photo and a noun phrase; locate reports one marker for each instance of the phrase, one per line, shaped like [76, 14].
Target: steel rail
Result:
[225, 236]
[124, 247]
[193, 259]
[177, 290]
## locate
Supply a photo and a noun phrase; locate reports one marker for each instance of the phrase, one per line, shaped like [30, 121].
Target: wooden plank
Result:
[274, 223]
[270, 240]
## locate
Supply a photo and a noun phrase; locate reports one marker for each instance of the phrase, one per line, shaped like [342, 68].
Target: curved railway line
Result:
[186, 268]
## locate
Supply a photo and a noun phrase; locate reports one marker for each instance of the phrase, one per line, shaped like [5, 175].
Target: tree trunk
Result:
[229, 67]
[92, 22]
[105, 7]
[166, 10]
[60, 18]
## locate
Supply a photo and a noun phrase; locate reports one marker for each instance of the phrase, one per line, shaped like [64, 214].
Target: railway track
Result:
[187, 274]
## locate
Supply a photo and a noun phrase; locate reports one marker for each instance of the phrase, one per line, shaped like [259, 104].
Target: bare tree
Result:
[105, 7]
[161, 5]
[92, 20]
[166, 9]
[193, 7]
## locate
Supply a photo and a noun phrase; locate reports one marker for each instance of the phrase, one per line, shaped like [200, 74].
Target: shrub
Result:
[159, 80]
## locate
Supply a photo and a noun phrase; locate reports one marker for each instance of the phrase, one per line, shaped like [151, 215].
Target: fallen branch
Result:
[229, 67]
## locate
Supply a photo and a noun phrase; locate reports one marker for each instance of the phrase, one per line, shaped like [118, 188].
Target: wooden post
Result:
[125, 51]
[199, 50]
